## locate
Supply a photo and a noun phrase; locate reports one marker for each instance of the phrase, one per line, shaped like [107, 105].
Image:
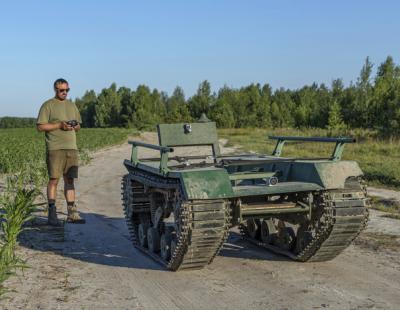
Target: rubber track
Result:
[204, 226]
[343, 225]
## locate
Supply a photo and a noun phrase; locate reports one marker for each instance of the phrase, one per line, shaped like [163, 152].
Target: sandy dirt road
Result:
[94, 266]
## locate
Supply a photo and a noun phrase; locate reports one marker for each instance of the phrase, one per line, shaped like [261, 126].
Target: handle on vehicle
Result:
[336, 154]
[164, 150]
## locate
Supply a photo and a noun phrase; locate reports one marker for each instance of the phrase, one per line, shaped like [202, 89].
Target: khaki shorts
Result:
[62, 163]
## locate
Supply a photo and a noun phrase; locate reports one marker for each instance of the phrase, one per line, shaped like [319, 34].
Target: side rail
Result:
[164, 150]
[337, 151]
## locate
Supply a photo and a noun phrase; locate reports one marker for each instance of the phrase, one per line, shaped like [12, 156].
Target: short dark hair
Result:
[60, 81]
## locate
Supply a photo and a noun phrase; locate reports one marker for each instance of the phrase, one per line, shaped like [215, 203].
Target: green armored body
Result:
[179, 209]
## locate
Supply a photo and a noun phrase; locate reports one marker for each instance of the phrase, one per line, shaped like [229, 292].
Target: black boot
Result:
[52, 216]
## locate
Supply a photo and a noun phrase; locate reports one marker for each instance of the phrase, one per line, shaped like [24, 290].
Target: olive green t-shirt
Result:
[56, 111]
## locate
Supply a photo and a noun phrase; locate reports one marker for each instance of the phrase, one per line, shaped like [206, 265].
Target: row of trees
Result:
[17, 122]
[370, 102]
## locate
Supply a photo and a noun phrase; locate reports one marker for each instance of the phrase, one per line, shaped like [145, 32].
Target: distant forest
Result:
[17, 122]
[371, 102]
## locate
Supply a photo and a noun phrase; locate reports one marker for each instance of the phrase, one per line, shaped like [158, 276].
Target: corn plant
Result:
[17, 204]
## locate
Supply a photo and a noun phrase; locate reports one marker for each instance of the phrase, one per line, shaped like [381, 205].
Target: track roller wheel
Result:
[267, 231]
[253, 228]
[142, 234]
[286, 237]
[165, 245]
[153, 239]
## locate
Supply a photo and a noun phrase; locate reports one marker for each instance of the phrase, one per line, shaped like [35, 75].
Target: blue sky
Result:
[167, 43]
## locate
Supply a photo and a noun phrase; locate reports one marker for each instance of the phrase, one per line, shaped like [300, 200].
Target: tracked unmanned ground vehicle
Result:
[179, 209]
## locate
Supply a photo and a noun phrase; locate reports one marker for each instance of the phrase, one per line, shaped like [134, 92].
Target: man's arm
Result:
[50, 127]
[43, 119]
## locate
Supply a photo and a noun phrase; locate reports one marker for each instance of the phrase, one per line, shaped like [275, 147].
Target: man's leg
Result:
[69, 189]
[69, 192]
[55, 161]
[51, 197]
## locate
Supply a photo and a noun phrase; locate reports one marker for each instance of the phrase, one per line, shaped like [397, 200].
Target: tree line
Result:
[371, 102]
[17, 122]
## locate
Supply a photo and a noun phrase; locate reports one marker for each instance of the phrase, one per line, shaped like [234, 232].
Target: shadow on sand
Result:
[105, 240]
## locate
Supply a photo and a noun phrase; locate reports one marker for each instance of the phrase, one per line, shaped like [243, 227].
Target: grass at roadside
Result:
[390, 207]
[379, 159]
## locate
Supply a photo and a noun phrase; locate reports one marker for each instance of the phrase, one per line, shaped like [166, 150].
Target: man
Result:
[54, 119]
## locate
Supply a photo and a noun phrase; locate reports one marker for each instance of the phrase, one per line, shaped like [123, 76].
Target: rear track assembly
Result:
[341, 222]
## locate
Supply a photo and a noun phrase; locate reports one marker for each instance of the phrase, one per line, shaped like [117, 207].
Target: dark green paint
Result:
[207, 184]
[200, 134]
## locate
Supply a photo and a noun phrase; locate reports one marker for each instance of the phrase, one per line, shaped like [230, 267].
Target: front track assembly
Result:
[192, 237]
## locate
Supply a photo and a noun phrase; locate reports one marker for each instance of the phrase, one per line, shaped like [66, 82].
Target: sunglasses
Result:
[62, 90]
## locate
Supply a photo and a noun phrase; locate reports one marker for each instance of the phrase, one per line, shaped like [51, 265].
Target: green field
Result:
[23, 149]
[379, 159]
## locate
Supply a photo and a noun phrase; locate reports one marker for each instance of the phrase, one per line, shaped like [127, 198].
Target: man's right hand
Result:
[64, 126]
